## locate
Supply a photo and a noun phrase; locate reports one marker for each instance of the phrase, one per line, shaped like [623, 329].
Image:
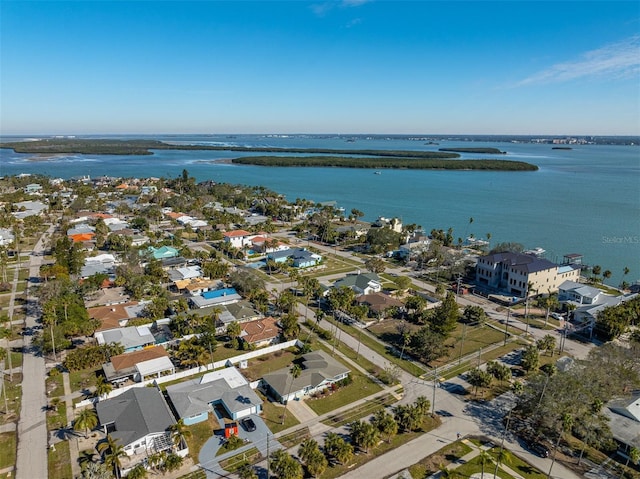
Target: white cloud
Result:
[614, 61]
[322, 9]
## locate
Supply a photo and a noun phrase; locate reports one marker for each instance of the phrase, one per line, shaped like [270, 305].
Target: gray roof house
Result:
[194, 399]
[139, 420]
[319, 371]
[132, 337]
[624, 421]
[361, 283]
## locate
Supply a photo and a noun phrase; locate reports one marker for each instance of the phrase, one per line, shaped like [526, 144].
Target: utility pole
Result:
[464, 329]
[506, 325]
[268, 458]
[433, 402]
[502, 442]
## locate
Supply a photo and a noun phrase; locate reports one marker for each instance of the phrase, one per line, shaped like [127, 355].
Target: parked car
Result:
[538, 449]
[248, 424]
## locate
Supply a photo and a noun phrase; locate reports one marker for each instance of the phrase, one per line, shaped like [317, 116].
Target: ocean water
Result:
[585, 200]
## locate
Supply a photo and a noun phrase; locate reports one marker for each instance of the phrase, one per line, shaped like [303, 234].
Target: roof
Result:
[318, 367]
[154, 366]
[195, 396]
[110, 316]
[263, 329]
[624, 419]
[579, 288]
[135, 413]
[379, 301]
[130, 337]
[360, 280]
[529, 263]
[128, 360]
[236, 233]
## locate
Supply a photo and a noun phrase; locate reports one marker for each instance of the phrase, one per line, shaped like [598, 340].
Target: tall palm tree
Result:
[503, 457]
[86, 420]
[295, 372]
[483, 458]
[138, 472]
[179, 432]
[113, 453]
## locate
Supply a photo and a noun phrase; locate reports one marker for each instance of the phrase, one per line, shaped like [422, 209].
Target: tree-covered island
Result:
[345, 159]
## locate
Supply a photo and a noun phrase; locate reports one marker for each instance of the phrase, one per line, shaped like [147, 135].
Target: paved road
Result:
[32, 428]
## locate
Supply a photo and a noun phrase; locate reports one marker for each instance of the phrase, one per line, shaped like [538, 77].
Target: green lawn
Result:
[258, 367]
[60, 461]
[473, 467]
[14, 399]
[7, 449]
[200, 433]
[272, 415]
[359, 388]
[54, 386]
[360, 411]
[82, 379]
[381, 349]
[232, 464]
[446, 455]
[294, 438]
[57, 418]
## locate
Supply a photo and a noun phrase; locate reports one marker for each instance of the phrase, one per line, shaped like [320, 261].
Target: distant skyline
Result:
[323, 67]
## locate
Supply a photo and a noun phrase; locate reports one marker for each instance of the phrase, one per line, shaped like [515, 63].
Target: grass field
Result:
[358, 412]
[7, 449]
[60, 461]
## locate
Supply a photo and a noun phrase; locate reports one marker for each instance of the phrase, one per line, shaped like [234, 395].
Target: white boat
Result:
[539, 252]
[377, 173]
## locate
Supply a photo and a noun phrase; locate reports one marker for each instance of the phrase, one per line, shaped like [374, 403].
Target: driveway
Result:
[261, 438]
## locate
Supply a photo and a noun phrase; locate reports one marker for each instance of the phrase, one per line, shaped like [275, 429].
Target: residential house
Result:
[624, 421]
[33, 189]
[319, 371]
[164, 252]
[361, 283]
[132, 338]
[263, 244]
[299, 257]
[6, 237]
[379, 303]
[260, 332]
[139, 419]
[28, 208]
[196, 286]
[100, 264]
[512, 273]
[238, 238]
[185, 273]
[217, 297]
[138, 365]
[116, 315]
[193, 400]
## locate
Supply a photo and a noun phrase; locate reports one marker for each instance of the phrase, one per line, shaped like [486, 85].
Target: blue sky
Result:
[354, 66]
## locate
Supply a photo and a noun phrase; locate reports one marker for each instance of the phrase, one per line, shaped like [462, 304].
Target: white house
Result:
[139, 419]
[238, 238]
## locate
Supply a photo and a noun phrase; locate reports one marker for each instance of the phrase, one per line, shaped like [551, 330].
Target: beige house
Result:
[515, 273]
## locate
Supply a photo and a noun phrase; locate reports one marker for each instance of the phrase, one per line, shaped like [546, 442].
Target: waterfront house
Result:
[319, 371]
[193, 400]
[511, 274]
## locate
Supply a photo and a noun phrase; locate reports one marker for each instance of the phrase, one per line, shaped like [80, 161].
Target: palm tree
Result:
[307, 448]
[446, 473]
[295, 371]
[567, 423]
[503, 457]
[247, 471]
[113, 452]
[86, 457]
[103, 387]
[633, 456]
[138, 472]
[483, 458]
[179, 432]
[86, 420]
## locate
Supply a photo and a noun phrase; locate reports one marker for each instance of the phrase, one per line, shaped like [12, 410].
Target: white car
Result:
[557, 316]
